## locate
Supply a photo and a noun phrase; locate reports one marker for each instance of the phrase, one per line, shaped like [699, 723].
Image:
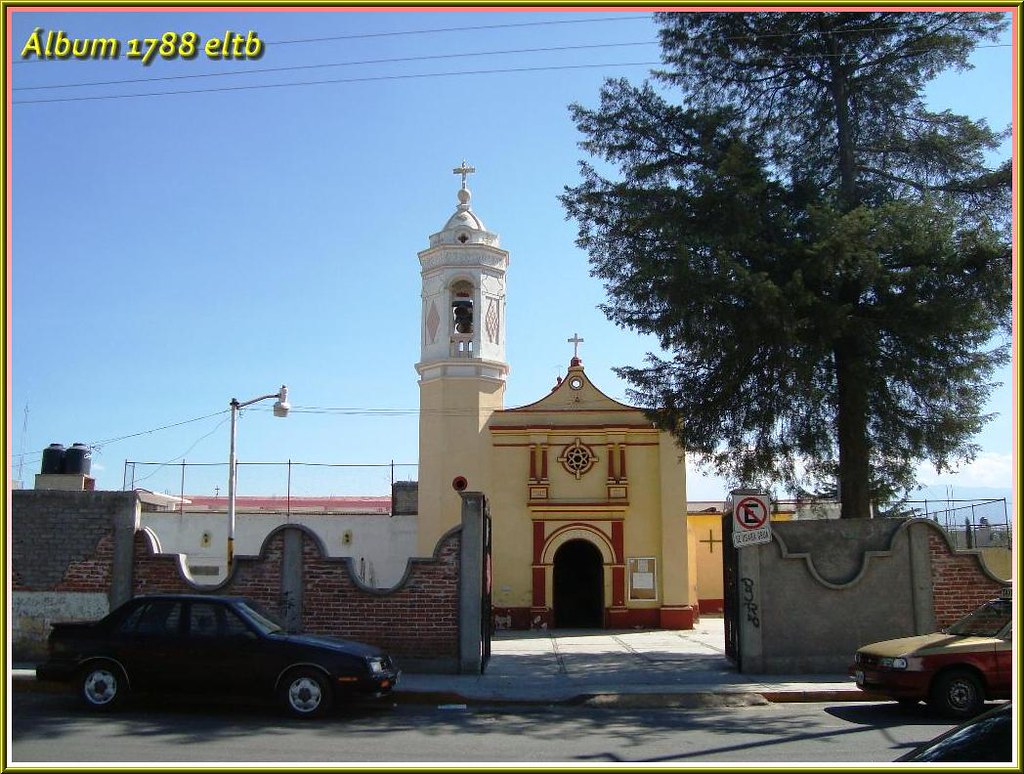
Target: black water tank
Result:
[53, 458]
[78, 459]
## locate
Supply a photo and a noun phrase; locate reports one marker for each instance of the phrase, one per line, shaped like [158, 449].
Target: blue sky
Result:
[171, 252]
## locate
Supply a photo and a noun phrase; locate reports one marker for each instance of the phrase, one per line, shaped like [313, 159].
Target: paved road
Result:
[49, 728]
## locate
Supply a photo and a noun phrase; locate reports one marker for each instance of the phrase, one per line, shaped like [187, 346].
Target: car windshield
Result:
[263, 620]
[988, 737]
[987, 621]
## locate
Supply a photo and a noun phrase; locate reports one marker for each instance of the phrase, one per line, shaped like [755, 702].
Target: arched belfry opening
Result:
[578, 579]
[462, 317]
[462, 307]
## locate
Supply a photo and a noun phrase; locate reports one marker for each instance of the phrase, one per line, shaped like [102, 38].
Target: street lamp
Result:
[280, 410]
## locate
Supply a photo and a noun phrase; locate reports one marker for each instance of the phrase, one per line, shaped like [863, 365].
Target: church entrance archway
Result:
[578, 586]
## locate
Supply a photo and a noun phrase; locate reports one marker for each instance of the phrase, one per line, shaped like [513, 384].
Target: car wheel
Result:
[102, 686]
[305, 693]
[958, 694]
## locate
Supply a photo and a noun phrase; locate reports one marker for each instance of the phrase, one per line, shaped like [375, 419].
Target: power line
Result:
[366, 79]
[397, 33]
[98, 445]
[313, 410]
[549, 23]
[181, 456]
[553, 49]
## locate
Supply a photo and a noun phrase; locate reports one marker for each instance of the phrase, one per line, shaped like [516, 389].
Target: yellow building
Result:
[705, 525]
[587, 498]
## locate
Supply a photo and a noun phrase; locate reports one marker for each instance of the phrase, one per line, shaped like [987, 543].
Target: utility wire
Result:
[99, 444]
[365, 79]
[553, 49]
[397, 33]
[161, 465]
[549, 23]
[333, 81]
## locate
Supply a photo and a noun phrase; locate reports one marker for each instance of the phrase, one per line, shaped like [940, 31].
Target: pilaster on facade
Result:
[538, 485]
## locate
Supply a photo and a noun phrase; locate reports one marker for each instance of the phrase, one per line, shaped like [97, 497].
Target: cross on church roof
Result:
[464, 170]
[575, 341]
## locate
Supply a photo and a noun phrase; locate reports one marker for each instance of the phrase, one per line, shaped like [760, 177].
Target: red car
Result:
[955, 670]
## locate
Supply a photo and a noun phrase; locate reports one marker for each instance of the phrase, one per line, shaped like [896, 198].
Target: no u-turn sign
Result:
[751, 522]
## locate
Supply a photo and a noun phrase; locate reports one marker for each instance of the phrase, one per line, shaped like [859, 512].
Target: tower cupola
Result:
[463, 315]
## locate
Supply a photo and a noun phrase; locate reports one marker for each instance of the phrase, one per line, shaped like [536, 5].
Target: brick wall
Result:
[75, 555]
[65, 551]
[417, 620]
[959, 583]
[63, 541]
[156, 573]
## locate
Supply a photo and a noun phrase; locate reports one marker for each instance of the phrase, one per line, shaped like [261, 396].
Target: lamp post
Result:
[280, 410]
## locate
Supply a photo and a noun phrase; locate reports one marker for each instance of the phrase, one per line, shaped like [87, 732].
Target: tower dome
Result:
[464, 227]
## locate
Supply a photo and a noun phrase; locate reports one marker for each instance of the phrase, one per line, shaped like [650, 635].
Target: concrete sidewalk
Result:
[648, 668]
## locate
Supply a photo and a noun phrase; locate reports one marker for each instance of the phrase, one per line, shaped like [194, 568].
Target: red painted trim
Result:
[711, 605]
[544, 462]
[558, 428]
[539, 617]
[538, 541]
[628, 618]
[361, 504]
[618, 585]
[618, 505]
[677, 618]
[533, 462]
[539, 587]
[618, 542]
[622, 463]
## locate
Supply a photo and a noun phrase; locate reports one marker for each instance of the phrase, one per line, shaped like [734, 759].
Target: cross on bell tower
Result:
[464, 170]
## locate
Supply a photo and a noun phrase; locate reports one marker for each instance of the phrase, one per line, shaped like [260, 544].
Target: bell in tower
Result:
[462, 315]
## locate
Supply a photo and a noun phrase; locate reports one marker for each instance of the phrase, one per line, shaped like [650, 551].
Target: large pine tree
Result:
[825, 261]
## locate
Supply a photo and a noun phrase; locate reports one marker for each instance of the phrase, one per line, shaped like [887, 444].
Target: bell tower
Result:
[462, 367]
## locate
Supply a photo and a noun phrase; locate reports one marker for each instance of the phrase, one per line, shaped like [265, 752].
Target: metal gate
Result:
[730, 591]
[486, 618]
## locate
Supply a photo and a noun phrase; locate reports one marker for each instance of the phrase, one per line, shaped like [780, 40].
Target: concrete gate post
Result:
[749, 608]
[471, 584]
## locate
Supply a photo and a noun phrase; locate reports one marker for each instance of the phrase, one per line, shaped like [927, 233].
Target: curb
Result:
[692, 700]
[677, 700]
[780, 697]
[25, 682]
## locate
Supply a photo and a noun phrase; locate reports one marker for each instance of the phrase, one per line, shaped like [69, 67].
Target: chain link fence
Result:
[268, 479]
[971, 523]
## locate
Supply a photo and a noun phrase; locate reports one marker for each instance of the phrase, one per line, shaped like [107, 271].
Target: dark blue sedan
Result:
[213, 647]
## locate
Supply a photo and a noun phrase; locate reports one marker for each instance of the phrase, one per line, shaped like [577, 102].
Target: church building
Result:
[587, 498]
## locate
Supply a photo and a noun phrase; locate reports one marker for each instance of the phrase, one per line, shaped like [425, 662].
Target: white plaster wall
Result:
[379, 545]
[32, 612]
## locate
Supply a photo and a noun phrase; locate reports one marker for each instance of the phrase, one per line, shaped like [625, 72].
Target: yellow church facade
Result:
[587, 498]
[589, 515]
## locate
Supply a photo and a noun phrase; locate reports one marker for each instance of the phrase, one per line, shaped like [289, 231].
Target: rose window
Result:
[577, 458]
